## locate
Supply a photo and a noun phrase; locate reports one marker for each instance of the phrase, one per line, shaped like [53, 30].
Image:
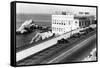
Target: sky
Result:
[27, 8]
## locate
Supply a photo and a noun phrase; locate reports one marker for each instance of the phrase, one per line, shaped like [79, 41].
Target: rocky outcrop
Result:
[36, 37]
[41, 36]
[26, 27]
[29, 25]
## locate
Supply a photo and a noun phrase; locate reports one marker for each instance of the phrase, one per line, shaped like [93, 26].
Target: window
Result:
[59, 29]
[76, 22]
[57, 21]
[79, 23]
[54, 29]
[62, 21]
[69, 22]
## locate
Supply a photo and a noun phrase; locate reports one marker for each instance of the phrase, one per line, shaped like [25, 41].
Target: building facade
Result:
[64, 23]
[85, 21]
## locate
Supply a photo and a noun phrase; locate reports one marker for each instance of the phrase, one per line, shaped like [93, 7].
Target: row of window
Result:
[58, 29]
[84, 23]
[62, 23]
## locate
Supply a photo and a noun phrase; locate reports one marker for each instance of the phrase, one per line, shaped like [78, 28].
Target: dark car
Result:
[62, 41]
[89, 30]
[77, 35]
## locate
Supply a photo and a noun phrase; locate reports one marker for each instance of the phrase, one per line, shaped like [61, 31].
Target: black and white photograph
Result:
[55, 34]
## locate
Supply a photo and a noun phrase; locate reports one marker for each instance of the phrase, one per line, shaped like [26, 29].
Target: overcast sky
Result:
[50, 9]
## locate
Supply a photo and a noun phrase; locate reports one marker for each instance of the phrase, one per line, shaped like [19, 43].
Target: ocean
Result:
[40, 19]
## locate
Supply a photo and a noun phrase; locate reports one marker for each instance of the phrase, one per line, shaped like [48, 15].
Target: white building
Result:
[64, 23]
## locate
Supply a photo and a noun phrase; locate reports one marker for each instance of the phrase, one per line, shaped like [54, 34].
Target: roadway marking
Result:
[58, 58]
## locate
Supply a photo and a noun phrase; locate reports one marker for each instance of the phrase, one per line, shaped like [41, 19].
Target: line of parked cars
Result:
[76, 35]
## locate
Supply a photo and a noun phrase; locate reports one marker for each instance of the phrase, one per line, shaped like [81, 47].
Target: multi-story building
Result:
[85, 19]
[63, 23]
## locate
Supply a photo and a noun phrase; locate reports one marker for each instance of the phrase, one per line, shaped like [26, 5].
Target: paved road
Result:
[81, 53]
[55, 51]
[73, 54]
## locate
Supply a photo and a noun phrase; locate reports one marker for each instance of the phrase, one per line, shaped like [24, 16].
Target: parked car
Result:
[76, 35]
[62, 41]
